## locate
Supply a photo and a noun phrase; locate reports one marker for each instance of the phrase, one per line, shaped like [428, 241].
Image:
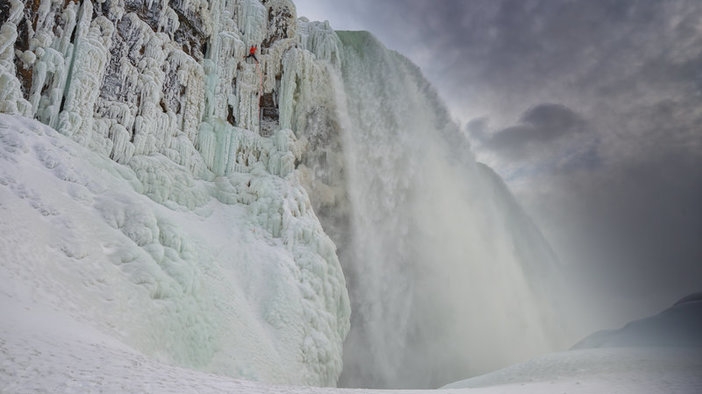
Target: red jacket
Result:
[252, 50]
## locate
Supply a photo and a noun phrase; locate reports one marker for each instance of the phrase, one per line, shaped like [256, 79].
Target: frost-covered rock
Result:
[157, 69]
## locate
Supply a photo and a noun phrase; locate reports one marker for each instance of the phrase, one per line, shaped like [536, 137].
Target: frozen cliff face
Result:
[225, 267]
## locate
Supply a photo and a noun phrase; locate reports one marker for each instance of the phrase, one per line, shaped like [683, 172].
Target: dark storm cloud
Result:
[541, 124]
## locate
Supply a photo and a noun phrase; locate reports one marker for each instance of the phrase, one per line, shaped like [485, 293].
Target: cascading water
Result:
[436, 267]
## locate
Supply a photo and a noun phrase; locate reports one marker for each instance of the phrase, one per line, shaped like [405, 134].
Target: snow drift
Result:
[661, 353]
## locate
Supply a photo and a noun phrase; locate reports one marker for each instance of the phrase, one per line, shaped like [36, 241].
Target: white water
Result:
[434, 267]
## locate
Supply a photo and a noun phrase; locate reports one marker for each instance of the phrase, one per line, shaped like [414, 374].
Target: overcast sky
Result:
[591, 110]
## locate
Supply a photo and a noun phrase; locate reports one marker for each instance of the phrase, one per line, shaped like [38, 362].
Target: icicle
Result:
[320, 39]
[122, 148]
[252, 21]
[87, 69]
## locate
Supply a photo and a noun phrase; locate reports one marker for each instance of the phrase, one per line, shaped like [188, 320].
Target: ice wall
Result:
[164, 90]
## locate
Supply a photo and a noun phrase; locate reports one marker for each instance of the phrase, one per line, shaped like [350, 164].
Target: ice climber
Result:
[252, 53]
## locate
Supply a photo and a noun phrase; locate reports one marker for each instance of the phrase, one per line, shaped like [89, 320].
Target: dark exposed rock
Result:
[269, 107]
[191, 33]
[22, 44]
[4, 11]
[281, 21]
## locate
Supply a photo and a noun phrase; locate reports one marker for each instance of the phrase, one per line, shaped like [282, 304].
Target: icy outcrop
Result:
[164, 90]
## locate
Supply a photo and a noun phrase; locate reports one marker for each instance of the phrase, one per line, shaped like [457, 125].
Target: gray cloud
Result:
[541, 124]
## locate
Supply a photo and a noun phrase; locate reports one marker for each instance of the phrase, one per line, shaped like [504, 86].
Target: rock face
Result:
[679, 326]
[165, 90]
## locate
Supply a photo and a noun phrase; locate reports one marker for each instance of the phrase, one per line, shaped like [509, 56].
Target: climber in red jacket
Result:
[252, 53]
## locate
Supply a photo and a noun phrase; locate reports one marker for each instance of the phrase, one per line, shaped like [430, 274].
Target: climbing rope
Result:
[260, 94]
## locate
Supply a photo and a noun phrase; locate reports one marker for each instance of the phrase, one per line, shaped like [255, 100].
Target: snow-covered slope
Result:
[45, 350]
[246, 283]
[658, 354]
[678, 326]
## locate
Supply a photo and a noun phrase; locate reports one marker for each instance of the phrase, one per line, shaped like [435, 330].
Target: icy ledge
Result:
[233, 276]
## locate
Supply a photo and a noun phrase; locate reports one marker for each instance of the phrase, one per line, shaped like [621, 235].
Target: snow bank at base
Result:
[657, 354]
[236, 276]
[44, 350]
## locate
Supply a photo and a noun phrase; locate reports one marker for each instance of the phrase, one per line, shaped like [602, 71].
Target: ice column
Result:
[11, 100]
[92, 43]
